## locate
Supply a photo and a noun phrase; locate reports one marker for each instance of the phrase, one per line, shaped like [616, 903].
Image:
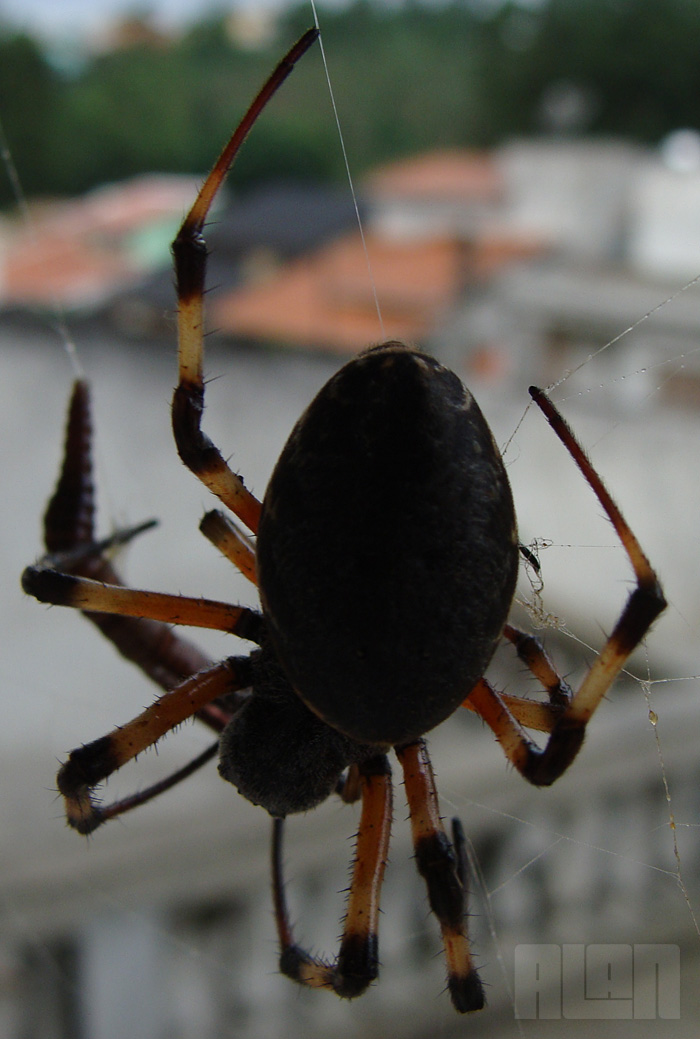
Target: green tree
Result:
[28, 104]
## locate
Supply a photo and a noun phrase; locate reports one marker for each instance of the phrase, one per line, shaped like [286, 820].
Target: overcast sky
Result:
[61, 17]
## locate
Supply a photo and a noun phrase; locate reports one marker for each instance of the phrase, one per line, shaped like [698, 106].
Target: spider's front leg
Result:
[196, 449]
[78, 571]
[72, 548]
[357, 964]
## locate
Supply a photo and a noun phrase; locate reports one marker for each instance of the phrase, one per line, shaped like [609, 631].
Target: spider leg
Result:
[533, 655]
[542, 766]
[196, 449]
[82, 593]
[442, 865]
[231, 541]
[357, 965]
[349, 787]
[92, 763]
[84, 554]
[91, 584]
[532, 714]
[126, 804]
[69, 537]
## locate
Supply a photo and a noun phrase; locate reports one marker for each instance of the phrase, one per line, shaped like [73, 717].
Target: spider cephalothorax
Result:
[276, 751]
[386, 561]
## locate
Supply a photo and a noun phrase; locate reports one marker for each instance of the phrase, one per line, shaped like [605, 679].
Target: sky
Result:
[58, 19]
[52, 19]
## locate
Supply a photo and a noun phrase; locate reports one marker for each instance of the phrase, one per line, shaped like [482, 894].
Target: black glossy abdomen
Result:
[387, 548]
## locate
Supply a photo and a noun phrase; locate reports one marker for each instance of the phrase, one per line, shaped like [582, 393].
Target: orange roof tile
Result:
[78, 252]
[60, 270]
[325, 301]
[446, 175]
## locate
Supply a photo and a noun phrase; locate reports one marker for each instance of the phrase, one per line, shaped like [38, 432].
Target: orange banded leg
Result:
[357, 965]
[442, 866]
[196, 449]
[83, 593]
[542, 766]
[92, 763]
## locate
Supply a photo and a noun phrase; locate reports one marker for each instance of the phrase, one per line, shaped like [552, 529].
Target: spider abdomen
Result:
[387, 547]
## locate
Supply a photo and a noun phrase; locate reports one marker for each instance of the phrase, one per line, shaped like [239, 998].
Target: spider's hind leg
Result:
[442, 864]
[357, 964]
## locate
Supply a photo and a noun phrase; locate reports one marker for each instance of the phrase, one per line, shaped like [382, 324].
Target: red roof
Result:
[454, 175]
[326, 300]
[78, 252]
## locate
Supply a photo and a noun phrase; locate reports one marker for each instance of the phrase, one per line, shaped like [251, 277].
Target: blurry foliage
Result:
[406, 77]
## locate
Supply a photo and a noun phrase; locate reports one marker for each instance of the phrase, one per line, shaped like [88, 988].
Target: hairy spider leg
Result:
[92, 763]
[357, 964]
[542, 766]
[189, 250]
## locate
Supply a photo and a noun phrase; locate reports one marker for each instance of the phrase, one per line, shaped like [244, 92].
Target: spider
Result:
[385, 559]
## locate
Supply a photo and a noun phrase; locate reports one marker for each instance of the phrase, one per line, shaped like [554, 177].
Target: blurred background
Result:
[528, 175]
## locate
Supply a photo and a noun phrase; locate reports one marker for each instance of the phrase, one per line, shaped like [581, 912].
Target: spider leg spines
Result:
[86, 767]
[437, 864]
[466, 992]
[299, 966]
[204, 459]
[357, 966]
[190, 255]
[532, 653]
